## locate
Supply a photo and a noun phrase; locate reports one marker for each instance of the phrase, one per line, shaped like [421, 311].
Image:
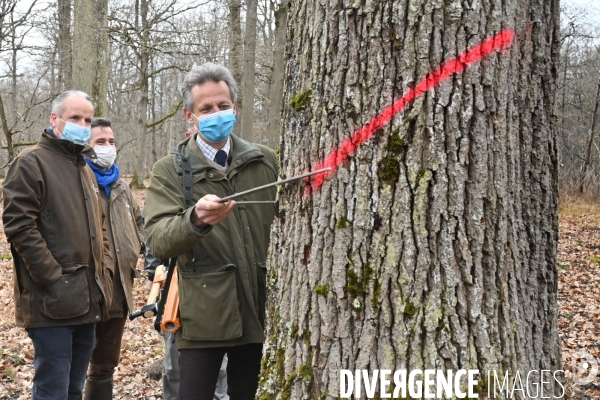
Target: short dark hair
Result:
[206, 72]
[101, 122]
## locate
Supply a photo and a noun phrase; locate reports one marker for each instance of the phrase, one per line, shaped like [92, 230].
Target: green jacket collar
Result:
[241, 152]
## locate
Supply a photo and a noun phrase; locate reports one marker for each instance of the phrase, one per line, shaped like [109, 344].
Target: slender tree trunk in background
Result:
[249, 76]
[64, 45]
[139, 170]
[8, 134]
[13, 71]
[90, 48]
[588, 150]
[83, 45]
[236, 53]
[432, 245]
[564, 91]
[276, 89]
[236, 48]
[100, 88]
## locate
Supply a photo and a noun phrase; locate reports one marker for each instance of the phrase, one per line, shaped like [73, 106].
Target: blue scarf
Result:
[105, 178]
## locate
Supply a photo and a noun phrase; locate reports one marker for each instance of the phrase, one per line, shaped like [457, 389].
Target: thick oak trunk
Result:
[433, 243]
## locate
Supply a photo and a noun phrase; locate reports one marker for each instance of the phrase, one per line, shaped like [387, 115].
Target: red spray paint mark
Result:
[348, 147]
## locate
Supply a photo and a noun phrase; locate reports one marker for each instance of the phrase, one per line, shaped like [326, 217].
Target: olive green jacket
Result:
[53, 221]
[125, 226]
[222, 268]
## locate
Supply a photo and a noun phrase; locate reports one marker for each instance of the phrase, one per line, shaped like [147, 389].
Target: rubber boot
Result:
[98, 389]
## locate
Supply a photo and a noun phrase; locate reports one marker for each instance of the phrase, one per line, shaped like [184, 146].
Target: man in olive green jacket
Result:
[125, 228]
[221, 247]
[53, 222]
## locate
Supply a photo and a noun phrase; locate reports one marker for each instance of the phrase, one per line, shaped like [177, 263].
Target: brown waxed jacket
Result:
[53, 221]
[125, 226]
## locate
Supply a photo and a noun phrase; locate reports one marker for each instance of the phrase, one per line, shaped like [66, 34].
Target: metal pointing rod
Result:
[256, 189]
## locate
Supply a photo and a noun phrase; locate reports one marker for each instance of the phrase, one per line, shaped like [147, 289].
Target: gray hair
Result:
[101, 122]
[206, 72]
[58, 105]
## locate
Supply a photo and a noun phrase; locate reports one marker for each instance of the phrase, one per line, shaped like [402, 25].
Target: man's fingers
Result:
[210, 211]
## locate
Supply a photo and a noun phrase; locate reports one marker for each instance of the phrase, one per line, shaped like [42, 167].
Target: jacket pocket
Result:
[261, 272]
[209, 307]
[69, 295]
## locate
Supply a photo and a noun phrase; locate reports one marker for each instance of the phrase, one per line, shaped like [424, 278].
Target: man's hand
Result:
[208, 211]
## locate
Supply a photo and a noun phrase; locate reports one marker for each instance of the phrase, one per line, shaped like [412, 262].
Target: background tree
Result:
[90, 47]
[236, 51]
[64, 46]
[277, 76]
[433, 243]
[144, 66]
[15, 108]
[249, 68]
[578, 75]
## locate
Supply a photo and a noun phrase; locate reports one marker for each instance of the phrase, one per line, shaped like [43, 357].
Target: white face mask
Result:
[106, 156]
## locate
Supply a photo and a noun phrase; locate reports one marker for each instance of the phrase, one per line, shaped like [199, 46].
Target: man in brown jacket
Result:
[125, 226]
[62, 265]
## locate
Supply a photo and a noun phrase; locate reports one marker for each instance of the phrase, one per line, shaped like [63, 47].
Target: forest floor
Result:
[142, 347]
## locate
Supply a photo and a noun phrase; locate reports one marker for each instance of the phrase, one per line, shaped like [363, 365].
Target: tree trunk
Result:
[8, 133]
[100, 89]
[65, 54]
[276, 89]
[588, 149]
[90, 47]
[236, 48]
[139, 170]
[249, 76]
[236, 53]
[432, 243]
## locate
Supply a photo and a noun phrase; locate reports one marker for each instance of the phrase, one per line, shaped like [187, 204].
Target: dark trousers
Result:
[60, 360]
[200, 370]
[107, 351]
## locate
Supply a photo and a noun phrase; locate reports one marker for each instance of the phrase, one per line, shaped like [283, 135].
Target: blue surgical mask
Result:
[75, 133]
[216, 127]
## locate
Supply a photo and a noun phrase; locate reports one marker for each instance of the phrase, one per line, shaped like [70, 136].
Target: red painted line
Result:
[348, 147]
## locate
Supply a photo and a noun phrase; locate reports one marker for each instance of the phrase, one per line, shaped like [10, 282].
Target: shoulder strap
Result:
[187, 180]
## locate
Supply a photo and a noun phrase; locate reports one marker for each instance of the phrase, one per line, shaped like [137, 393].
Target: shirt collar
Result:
[209, 151]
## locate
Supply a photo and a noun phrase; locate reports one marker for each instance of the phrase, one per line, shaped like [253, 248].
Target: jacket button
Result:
[117, 250]
[97, 317]
[211, 175]
[93, 237]
[66, 282]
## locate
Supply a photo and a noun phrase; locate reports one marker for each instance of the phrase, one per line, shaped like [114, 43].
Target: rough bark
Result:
[433, 245]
